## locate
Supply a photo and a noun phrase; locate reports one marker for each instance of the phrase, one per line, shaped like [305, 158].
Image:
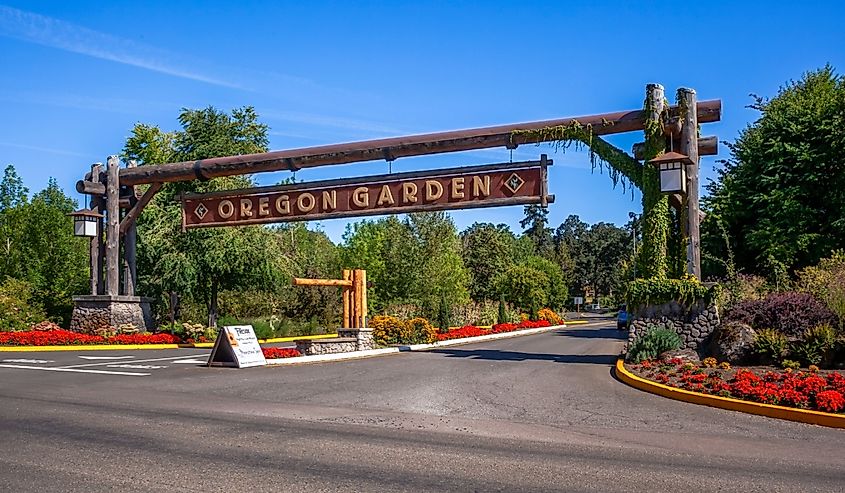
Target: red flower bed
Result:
[60, 337]
[804, 390]
[473, 331]
[279, 352]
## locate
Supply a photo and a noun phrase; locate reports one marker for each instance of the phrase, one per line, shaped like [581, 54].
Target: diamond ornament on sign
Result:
[514, 183]
[201, 211]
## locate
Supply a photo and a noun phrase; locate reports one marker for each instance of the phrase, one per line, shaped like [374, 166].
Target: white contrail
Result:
[55, 33]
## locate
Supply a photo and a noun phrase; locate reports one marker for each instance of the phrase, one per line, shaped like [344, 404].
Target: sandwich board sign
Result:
[236, 346]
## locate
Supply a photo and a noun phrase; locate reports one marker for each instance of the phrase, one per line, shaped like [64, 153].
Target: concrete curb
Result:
[769, 410]
[135, 347]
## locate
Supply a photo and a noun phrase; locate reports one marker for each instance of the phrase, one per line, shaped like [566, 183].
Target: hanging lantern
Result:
[85, 222]
[673, 171]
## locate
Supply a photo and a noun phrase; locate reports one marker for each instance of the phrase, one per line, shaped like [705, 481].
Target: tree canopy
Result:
[200, 263]
[778, 202]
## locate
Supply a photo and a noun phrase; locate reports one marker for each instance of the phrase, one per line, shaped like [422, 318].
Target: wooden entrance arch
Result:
[114, 189]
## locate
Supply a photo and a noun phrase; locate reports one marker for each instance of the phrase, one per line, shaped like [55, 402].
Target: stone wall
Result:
[96, 312]
[348, 340]
[694, 324]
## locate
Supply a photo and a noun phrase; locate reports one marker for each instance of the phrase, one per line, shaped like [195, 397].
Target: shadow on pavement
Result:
[496, 355]
[605, 333]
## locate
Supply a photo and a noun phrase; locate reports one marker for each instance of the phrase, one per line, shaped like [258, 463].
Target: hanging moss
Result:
[621, 167]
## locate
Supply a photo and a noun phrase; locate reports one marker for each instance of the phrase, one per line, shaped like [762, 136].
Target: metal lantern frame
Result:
[86, 222]
[673, 171]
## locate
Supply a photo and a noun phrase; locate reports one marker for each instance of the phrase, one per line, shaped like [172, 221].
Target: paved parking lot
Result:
[131, 363]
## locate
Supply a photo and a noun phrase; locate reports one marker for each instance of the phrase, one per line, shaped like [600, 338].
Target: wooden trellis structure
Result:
[354, 284]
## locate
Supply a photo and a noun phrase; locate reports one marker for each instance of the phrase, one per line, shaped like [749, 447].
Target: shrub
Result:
[474, 313]
[709, 362]
[18, 311]
[791, 314]
[502, 316]
[656, 291]
[655, 341]
[389, 330]
[769, 345]
[443, 314]
[421, 332]
[826, 282]
[550, 316]
[817, 346]
[789, 364]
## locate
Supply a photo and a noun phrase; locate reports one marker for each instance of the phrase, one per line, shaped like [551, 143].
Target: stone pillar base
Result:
[347, 341]
[363, 336]
[101, 311]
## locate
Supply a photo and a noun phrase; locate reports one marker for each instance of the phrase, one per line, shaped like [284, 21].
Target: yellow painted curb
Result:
[769, 410]
[577, 322]
[294, 338]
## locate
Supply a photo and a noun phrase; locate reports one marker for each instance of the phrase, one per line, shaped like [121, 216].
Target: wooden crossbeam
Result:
[299, 281]
[395, 147]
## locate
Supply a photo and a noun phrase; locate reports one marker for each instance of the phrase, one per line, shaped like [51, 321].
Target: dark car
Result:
[622, 318]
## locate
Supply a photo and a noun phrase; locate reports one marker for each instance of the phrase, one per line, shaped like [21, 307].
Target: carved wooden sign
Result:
[457, 188]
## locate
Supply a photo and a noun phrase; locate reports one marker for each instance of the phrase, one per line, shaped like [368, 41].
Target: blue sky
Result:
[76, 76]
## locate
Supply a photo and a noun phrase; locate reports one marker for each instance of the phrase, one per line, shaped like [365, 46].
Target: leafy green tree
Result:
[12, 190]
[200, 263]
[555, 290]
[384, 249]
[487, 251]
[39, 248]
[523, 286]
[599, 253]
[535, 226]
[441, 272]
[309, 254]
[777, 203]
[416, 261]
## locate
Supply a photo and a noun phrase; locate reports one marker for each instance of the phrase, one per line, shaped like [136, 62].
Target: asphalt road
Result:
[535, 413]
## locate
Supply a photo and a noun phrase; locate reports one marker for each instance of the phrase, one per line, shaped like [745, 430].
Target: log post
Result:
[113, 227]
[129, 246]
[96, 204]
[689, 146]
[347, 301]
[357, 288]
[364, 313]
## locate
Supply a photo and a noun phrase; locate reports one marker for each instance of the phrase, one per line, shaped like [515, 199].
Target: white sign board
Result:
[237, 346]
[578, 300]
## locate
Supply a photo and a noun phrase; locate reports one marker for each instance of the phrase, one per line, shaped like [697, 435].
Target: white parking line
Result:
[30, 361]
[138, 367]
[106, 357]
[133, 361]
[74, 370]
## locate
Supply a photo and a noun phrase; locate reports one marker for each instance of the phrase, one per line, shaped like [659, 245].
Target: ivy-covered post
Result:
[655, 221]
